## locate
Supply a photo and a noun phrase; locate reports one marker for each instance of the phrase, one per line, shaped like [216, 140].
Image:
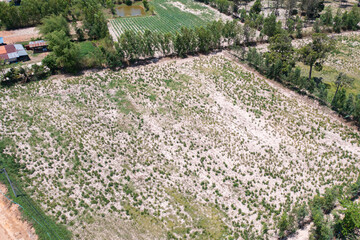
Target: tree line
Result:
[328, 224]
[279, 64]
[32, 12]
[133, 46]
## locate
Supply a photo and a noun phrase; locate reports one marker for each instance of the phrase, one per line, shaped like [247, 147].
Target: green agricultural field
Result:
[170, 17]
[198, 148]
[346, 59]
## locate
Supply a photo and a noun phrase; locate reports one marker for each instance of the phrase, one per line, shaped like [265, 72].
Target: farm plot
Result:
[196, 148]
[170, 17]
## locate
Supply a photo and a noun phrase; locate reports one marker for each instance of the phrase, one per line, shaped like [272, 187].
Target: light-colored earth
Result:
[12, 227]
[20, 35]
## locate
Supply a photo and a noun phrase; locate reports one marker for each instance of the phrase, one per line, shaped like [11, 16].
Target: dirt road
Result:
[12, 227]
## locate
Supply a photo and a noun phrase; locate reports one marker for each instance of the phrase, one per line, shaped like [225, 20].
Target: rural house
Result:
[13, 53]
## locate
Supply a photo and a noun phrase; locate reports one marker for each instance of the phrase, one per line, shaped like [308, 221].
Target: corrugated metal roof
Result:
[10, 48]
[13, 55]
[2, 50]
[4, 56]
[22, 53]
[18, 47]
[1, 40]
[40, 43]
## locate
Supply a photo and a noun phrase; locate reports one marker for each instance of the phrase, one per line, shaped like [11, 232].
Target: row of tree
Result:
[132, 46]
[320, 208]
[279, 64]
[341, 21]
[309, 8]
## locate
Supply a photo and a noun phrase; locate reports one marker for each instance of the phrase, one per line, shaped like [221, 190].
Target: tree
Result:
[299, 26]
[146, 5]
[165, 43]
[342, 81]
[54, 23]
[316, 26]
[283, 224]
[203, 39]
[291, 5]
[271, 27]
[327, 18]
[337, 22]
[282, 52]
[94, 20]
[351, 220]
[301, 212]
[314, 53]
[290, 25]
[128, 44]
[256, 8]
[322, 228]
[312, 8]
[64, 53]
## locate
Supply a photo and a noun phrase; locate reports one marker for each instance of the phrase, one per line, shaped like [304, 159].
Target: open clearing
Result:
[170, 17]
[11, 225]
[20, 35]
[345, 58]
[198, 148]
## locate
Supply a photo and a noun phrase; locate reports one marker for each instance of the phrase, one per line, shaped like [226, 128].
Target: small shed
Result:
[38, 46]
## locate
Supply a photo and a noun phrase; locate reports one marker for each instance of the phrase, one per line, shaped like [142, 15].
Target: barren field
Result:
[19, 35]
[11, 225]
[195, 148]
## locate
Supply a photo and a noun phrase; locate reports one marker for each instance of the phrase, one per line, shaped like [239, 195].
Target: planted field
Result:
[196, 148]
[170, 17]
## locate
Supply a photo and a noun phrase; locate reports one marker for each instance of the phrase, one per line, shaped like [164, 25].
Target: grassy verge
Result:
[45, 227]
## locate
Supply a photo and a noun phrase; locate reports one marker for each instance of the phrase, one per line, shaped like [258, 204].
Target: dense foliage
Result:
[34, 12]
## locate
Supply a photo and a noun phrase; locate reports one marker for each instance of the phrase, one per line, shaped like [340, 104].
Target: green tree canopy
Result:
[54, 23]
[65, 53]
[313, 53]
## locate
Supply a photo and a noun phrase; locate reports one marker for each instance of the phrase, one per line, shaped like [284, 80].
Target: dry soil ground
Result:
[19, 35]
[12, 227]
[197, 148]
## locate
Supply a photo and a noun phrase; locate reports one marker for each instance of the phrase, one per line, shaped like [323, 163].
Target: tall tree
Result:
[271, 26]
[313, 53]
[281, 52]
[342, 81]
[64, 52]
[54, 23]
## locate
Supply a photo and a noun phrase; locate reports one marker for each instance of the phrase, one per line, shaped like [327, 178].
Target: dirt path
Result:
[12, 227]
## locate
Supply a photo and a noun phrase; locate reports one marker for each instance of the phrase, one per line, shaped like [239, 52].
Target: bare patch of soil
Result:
[11, 225]
[20, 35]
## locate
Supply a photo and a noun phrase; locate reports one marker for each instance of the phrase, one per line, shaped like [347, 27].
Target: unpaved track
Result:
[12, 227]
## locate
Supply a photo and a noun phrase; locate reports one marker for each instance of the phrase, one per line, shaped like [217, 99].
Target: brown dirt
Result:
[12, 227]
[19, 35]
